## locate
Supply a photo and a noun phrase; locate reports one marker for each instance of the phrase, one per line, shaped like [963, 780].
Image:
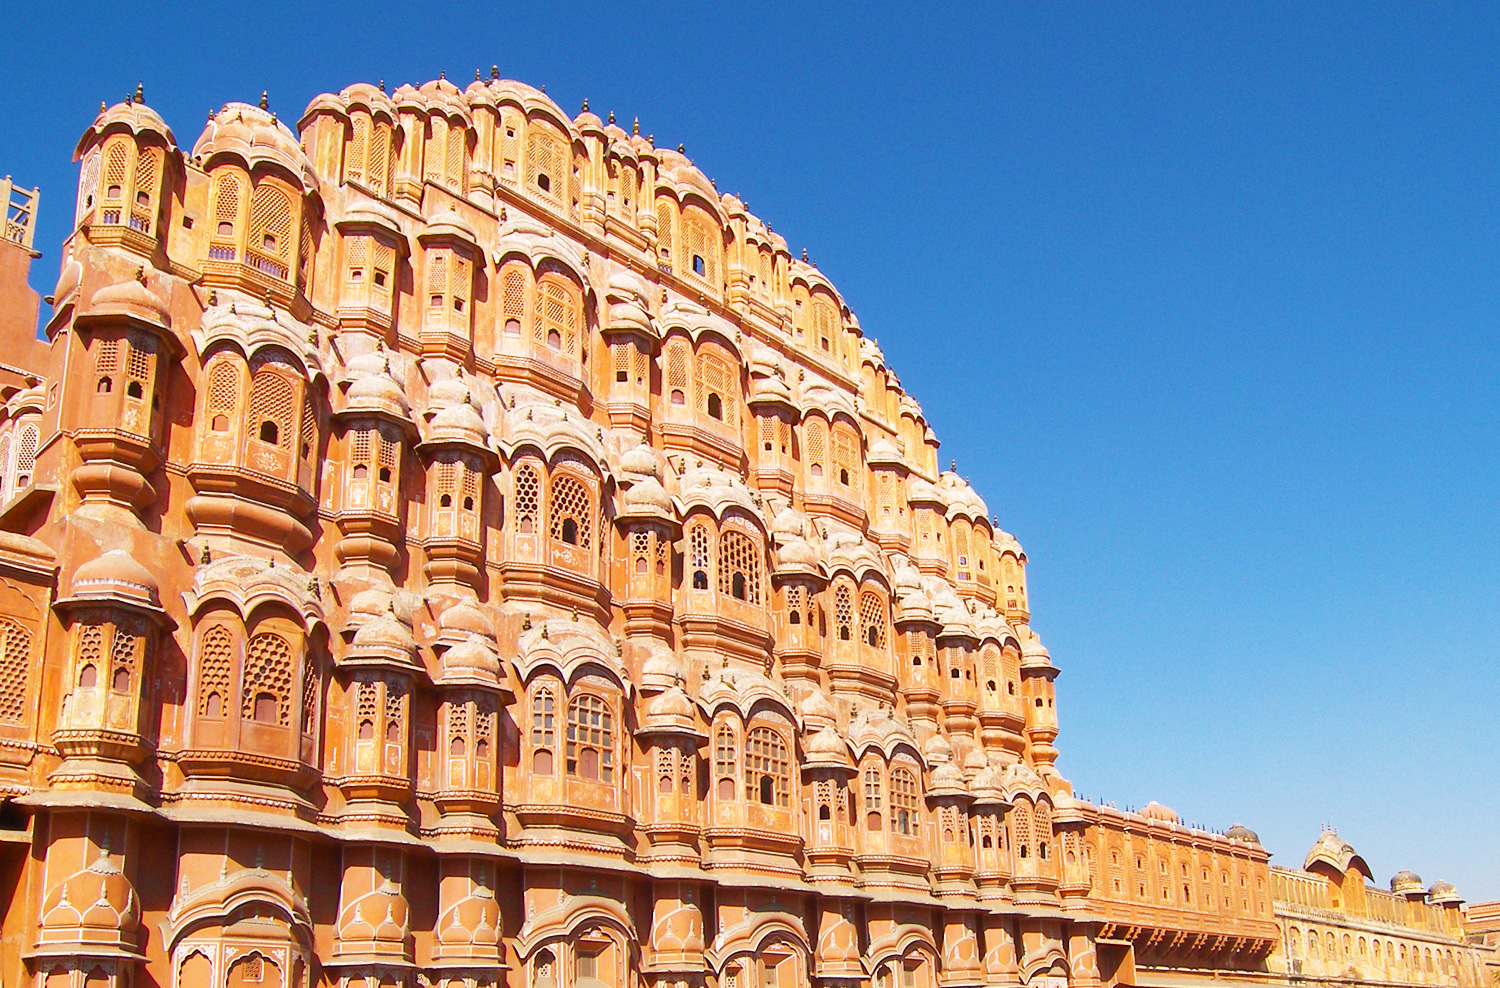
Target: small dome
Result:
[938, 749]
[68, 281]
[640, 461]
[450, 224]
[116, 574]
[947, 775]
[384, 632]
[370, 602]
[132, 299]
[465, 618]
[254, 136]
[1155, 811]
[459, 422]
[817, 708]
[1406, 881]
[647, 496]
[988, 780]
[826, 741]
[671, 711]
[471, 659]
[662, 670]
[1240, 832]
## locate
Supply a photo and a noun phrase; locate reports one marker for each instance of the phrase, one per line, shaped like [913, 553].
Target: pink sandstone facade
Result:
[451, 544]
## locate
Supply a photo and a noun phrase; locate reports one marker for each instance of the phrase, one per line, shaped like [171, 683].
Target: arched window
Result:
[227, 196]
[556, 315]
[266, 694]
[874, 798]
[269, 248]
[718, 383]
[872, 619]
[816, 447]
[903, 801]
[698, 560]
[726, 761]
[739, 567]
[571, 510]
[513, 296]
[272, 404]
[590, 753]
[215, 663]
[766, 768]
[843, 611]
[665, 215]
[542, 713]
[26, 456]
[546, 162]
[528, 498]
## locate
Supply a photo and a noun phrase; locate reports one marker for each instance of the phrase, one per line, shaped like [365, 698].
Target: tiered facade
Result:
[452, 544]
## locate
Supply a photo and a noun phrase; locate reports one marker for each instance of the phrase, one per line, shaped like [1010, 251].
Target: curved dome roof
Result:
[132, 299]
[1240, 832]
[1155, 811]
[116, 574]
[132, 117]
[257, 137]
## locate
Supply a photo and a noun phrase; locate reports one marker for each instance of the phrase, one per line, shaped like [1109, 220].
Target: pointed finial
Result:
[804, 255]
[635, 128]
[494, 72]
[476, 75]
[681, 148]
[611, 116]
[140, 274]
[102, 107]
[382, 85]
[205, 557]
[544, 89]
[544, 631]
[526, 622]
[140, 93]
[265, 104]
[585, 104]
[129, 97]
[442, 76]
[651, 139]
[953, 465]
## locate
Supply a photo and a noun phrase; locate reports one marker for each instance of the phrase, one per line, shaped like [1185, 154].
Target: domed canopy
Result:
[1155, 811]
[256, 137]
[131, 300]
[1240, 832]
[116, 575]
[1334, 852]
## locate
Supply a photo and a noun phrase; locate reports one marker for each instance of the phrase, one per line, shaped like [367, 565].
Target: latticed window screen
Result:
[903, 801]
[310, 686]
[271, 226]
[716, 378]
[215, 664]
[15, 669]
[356, 254]
[528, 497]
[437, 278]
[677, 374]
[90, 654]
[395, 712]
[116, 167]
[147, 182]
[272, 400]
[26, 455]
[739, 567]
[268, 673]
[826, 326]
[546, 163]
[872, 619]
[226, 212]
[843, 611]
[458, 728]
[698, 559]
[846, 454]
[513, 294]
[556, 316]
[461, 281]
[456, 158]
[223, 389]
[817, 446]
[378, 174]
[359, 143]
[766, 759]
[366, 704]
[665, 216]
[570, 501]
[543, 710]
[123, 661]
[701, 241]
[107, 356]
[87, 186]
[436, 140]
[385, 267]
[590, 753]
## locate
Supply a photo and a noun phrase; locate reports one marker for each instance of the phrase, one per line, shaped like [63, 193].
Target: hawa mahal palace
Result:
[446, 542]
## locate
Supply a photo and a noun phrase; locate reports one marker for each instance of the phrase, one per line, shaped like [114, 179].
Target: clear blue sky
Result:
[1203, 299]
